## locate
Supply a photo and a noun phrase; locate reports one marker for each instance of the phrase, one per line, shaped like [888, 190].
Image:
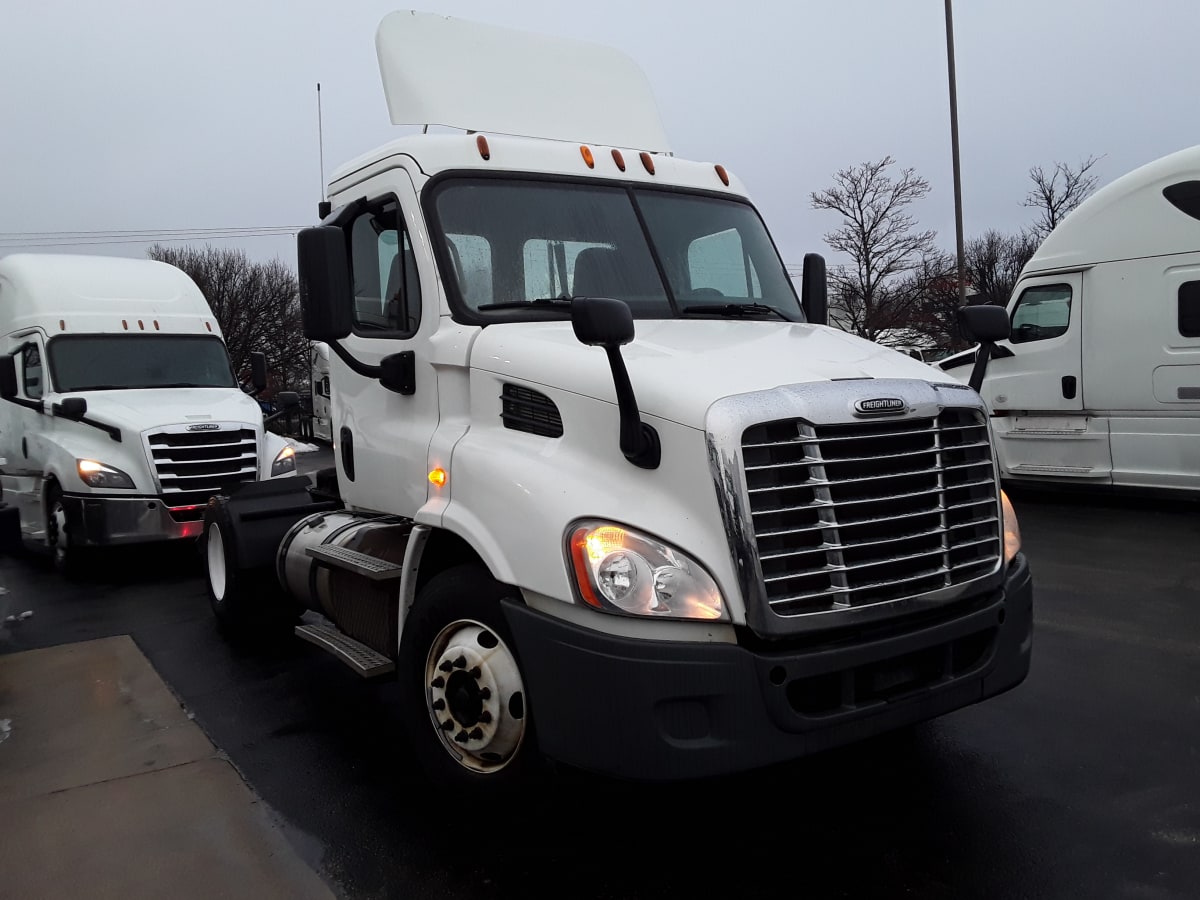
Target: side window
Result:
[1043, 312]
[387, 290]
[719, 266]
[31, 372]
[1189, 309]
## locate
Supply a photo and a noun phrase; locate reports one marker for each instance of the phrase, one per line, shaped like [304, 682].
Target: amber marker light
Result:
[437, 477]
[586, 153]
[482, 144]
[581, 549]
[619, 160]
[723, 175]
[647, 161]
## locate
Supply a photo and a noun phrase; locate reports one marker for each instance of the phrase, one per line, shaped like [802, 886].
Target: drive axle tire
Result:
[467, 712]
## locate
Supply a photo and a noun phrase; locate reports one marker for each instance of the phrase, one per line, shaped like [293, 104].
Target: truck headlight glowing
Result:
[98, 475]
[285, 461]
[1012, 531]
[623, 571]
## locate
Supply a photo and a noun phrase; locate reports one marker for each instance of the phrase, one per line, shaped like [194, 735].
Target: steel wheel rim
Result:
[475, 696]
[215, 557]
[57, 531]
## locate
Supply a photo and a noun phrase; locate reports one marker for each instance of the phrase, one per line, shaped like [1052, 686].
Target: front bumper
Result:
[661, 710]
[103, 521]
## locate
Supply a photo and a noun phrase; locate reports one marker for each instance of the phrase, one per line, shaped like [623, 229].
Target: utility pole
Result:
[958, 218]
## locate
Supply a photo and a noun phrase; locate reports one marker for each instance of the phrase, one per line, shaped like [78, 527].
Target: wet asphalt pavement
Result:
[1082, 782]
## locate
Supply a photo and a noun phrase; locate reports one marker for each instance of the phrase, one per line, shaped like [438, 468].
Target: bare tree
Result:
[881, 239]
[994, 262]
[257, 306]
[1057, 192]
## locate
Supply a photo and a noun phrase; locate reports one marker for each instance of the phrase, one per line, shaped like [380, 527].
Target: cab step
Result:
[364, 564]
[358, 656]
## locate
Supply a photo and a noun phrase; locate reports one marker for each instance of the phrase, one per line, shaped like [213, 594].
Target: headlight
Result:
[623, 571]
[98, 475]
[1012, 531]
[285, 461]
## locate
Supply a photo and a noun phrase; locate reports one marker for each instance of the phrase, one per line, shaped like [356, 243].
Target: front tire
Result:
[245, 602]
[64, 557]
[468, 714]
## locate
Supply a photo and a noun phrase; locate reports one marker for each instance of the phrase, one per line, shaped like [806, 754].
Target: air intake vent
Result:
[529, 411]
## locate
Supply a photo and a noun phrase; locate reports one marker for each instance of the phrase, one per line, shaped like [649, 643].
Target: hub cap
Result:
[475, 697]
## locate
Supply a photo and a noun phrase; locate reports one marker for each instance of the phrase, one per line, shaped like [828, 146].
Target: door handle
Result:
[1069, 387]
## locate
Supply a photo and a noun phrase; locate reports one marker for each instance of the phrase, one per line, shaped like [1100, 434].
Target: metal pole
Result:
[321, 139]
[958, 218]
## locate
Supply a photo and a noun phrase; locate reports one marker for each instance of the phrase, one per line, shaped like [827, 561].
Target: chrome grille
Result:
[193, 465]
[863, 513]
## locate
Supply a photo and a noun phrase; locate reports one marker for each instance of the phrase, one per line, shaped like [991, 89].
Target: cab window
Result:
[1042, 312]
[387, 289]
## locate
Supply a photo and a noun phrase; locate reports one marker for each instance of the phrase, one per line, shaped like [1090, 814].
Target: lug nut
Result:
[460, 663]
[485, 717]
[438, 683]
[448, 725]
[475, 673]
[462, 736]
[485, 693]
[439, 704]
[476, 734]
[446, 666]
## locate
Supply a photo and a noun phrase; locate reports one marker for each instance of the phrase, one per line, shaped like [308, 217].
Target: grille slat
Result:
[192, 466]
[851, 515]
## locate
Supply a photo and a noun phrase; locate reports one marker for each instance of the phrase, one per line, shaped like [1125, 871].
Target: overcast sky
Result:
[123, 115]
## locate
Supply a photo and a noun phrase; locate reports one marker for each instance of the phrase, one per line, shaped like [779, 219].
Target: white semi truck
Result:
[1098, 383]
[120, 414]
[731, 538]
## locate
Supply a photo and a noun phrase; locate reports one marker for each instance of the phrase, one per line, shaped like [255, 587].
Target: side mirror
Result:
[258, 370]
[73, 408]
[288, 399]
[814, 290]
[8, 377]
[324, 274]
[602, 321]
[984, 324]
[608, 323]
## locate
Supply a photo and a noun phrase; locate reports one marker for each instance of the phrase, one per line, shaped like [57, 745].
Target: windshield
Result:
[515, 249]
[110, 362]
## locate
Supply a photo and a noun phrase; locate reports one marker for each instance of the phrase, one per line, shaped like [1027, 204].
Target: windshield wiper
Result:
[734, 310]
[538, 303]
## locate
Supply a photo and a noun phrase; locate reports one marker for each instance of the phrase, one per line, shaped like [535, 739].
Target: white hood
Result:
[680, 367]
[137, 410]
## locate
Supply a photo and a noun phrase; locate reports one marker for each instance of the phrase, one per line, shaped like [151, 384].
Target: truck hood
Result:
[680, 367]
[135, 411]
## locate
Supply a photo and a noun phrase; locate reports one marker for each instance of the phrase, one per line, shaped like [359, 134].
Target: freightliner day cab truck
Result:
[731, 538]
[120, 414]
[1098, 384]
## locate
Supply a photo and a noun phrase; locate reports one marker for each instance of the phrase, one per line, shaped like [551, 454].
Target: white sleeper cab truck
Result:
[1098, 382]
[606, 490]
[120, 413]
[322, 411]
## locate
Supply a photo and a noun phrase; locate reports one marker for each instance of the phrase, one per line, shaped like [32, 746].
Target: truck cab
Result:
[121, 414]
[609, 490]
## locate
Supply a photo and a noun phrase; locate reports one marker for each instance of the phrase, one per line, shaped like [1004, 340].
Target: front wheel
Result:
[245, 601]
[469, 715]
[65, 557]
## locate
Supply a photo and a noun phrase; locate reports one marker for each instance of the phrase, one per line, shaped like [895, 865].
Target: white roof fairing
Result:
[443, 71]
[1126, 219]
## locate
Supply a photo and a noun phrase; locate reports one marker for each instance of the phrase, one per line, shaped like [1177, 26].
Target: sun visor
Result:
[445, 71]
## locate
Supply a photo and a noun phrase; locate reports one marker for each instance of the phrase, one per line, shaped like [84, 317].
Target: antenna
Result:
[323, 208]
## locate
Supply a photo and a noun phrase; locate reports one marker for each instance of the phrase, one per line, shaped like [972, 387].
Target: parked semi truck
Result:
[606, 489]
[1098, 383]
[120, 412]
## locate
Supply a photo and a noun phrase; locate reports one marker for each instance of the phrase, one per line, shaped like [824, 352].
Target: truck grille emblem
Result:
[205, 426]
[880, 406]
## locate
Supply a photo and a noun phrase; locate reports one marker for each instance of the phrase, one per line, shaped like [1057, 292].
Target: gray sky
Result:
[125, 115]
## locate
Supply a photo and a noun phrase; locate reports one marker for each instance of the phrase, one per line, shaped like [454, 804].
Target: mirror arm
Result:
[982, 354]
[356, 365]
[639, 440]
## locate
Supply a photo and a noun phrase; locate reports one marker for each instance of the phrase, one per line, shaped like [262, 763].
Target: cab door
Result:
[381, 436]
[22, 443]
[1040, 366]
